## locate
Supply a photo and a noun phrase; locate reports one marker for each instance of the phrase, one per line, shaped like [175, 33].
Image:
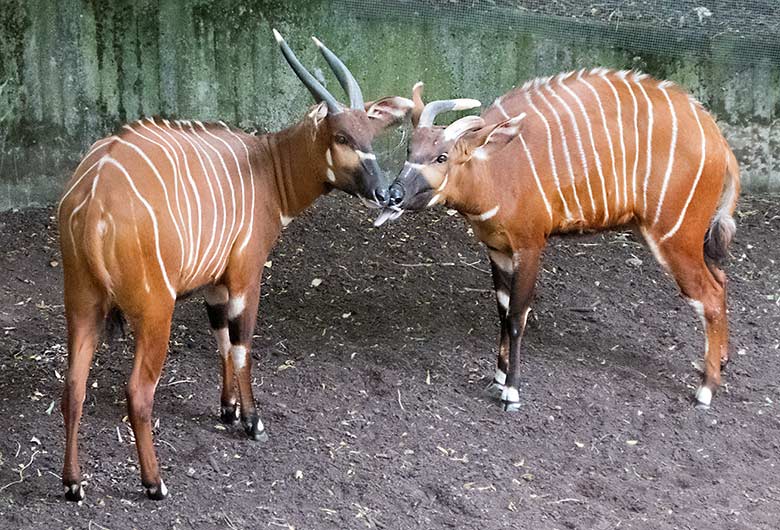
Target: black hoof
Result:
[255, 430]
[229, 414]
[157, 493]
[74, 492]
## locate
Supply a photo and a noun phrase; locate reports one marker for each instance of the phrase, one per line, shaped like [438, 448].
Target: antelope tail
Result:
[95, 232]
[722, 228]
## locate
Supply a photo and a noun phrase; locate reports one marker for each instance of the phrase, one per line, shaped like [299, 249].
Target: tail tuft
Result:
[722, 228]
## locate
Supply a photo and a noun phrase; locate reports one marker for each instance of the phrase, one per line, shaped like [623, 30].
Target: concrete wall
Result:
[72, 71]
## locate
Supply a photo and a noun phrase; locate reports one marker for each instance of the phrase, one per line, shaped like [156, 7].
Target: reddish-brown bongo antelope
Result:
[163, 208]
[587, 150]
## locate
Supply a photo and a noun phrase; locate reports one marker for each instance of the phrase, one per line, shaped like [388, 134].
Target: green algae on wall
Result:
[71, 72]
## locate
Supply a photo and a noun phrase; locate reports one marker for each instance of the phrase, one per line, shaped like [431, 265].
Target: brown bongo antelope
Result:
[588, 150]
[163, 208]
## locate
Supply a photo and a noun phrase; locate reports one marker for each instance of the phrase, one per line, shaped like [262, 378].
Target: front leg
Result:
[501, 268]
[526, 269]
[242, 313]
[217, 309]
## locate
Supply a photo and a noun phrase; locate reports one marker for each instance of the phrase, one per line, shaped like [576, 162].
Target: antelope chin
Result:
[388, 214]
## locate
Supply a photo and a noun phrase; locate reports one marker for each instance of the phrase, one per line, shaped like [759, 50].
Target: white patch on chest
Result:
[484, 216]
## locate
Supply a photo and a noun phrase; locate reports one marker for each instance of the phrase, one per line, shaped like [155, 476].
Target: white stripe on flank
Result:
[679, 222]
[500, 108]
[97, 145]
[186, 226]
[650, 118]
[636, 140]
[150, 211]
[160, 179]
[240, 176]
[599, 169]
[578, 138]
[249, 230]
[609, 141]
[212, 266]
[672, 146]
[196, 234]
[484, 216]
[565, 147]
[536, 176]
[206, 252]
[222, 254]
[550, 154]
[181, 224]
[622, 142]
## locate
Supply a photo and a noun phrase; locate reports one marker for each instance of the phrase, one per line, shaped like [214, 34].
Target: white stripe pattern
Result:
[566, 153]
[536, 176]
[550, 154]
[150, 211]
[672, 145]
[609, 139]
[596, 156]
[578, 138]
[699, 171]
[622, 140]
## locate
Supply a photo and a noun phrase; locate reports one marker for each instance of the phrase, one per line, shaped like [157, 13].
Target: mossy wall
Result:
[70, 72]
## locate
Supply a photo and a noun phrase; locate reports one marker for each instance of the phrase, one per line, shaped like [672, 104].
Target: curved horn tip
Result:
[278, 36]
[317, 41]
[466, 104]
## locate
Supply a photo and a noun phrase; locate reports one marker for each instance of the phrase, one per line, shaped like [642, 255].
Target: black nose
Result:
[396, 194]
[382, 196]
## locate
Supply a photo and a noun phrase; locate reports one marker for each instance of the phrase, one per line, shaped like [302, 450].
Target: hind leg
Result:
[152, 330]
[85, 311]
[217, 309]
[708, 297]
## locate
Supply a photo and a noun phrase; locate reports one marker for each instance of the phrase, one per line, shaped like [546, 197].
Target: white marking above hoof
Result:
[703, 397]
[500, 377]
[239, 355]
[494, 390]
[510, 395]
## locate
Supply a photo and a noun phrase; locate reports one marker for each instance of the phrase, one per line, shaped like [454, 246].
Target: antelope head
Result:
[438, 155]
[347, 131]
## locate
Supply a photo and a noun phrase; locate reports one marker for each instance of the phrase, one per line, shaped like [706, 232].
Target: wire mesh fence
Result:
[743, 31]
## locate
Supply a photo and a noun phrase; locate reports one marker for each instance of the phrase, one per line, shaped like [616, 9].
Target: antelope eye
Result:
[341, 139]
[442, 158]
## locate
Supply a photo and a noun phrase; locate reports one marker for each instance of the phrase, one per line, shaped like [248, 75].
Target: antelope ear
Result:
[492, 138]
[388, 111]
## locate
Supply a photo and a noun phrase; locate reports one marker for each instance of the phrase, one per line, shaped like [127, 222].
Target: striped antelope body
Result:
[587, 150]
[163, 208]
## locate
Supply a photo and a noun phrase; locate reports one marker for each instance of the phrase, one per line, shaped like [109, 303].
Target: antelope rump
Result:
[163, 208]
[581, 151]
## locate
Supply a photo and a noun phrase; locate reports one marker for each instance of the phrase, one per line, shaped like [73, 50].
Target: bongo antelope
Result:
[588, 150]
[163, 208]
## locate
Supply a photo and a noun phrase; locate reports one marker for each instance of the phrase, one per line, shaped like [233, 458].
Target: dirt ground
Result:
[371, 387]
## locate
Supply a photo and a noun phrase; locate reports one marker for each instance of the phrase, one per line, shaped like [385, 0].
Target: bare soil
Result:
[371, 387]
